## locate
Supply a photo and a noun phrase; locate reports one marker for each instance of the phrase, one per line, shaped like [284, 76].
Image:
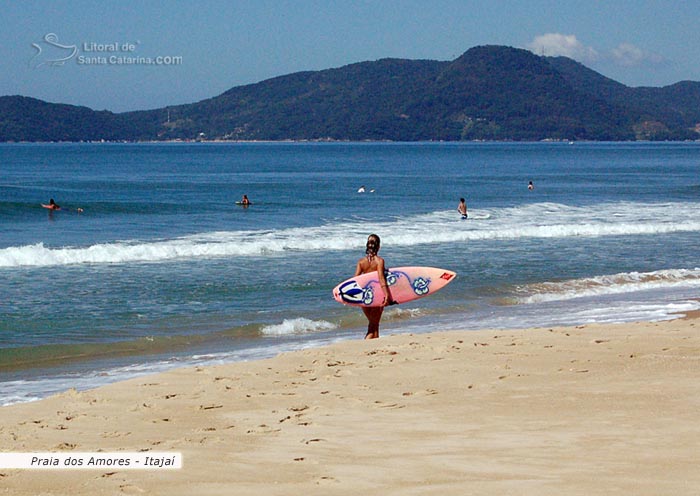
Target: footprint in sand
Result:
[262, 429]
[390, 405]
[114, 434]
[131, 489]
[65, 446]
[382, 352]
[315, 440]
[322, 481]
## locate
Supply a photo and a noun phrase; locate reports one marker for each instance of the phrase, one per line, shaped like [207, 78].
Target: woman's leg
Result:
[374, 315]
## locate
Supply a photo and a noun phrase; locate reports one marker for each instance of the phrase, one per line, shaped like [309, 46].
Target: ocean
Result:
[151, 265]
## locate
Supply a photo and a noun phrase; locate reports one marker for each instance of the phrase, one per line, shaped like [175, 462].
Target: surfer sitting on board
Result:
[462, 208]
[369, 263]
[245, 200]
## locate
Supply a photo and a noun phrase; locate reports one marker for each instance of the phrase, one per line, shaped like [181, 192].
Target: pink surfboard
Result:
[405, 284]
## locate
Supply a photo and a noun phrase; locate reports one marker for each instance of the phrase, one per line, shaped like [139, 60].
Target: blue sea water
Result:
[150, 264]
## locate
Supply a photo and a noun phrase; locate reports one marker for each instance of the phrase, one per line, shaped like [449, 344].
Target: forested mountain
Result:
[488, 93]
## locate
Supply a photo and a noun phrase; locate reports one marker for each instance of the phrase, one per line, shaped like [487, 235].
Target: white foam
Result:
[542, 220]
[398, 313]
[298, 326]
[629, 282]
[625, 311]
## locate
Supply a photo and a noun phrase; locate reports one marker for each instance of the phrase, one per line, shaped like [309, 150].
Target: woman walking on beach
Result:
[369, 263]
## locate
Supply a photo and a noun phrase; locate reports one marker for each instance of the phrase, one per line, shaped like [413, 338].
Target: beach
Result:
[160, 270]
[592, 409]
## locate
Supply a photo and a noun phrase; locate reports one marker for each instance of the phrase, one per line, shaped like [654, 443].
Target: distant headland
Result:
[488, 93]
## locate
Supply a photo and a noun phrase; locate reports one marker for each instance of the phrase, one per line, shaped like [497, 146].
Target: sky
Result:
[136, 55]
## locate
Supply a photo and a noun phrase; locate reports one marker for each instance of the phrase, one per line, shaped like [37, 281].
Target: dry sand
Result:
[599, 409]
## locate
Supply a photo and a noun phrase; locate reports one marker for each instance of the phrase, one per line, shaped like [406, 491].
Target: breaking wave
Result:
[609, 285]
[297, 326]
[541, 220]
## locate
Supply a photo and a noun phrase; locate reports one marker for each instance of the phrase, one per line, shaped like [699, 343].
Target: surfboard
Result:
[405, 284]
[244, 204]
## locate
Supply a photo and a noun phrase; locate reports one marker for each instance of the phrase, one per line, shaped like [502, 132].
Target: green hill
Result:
[488, 93]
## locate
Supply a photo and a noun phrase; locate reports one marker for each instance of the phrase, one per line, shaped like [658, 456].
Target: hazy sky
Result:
[133, 55]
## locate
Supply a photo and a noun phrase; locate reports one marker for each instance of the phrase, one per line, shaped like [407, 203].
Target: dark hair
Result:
[373, 243]
[461, 199]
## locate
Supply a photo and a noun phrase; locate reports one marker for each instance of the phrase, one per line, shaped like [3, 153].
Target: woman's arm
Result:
[358, 268]
[382, 282]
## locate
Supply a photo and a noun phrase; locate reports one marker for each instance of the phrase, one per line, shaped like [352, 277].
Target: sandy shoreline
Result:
[597, 409]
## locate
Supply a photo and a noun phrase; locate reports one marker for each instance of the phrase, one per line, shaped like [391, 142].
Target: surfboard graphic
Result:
[405, 284]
